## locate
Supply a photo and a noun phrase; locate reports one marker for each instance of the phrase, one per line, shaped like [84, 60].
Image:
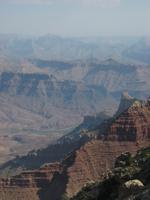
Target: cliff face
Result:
[89, 164]
[52, 99]
[129, 131]
[34, 178]
[48, 87]
[128, 180]
[131, 125]
[27, 185]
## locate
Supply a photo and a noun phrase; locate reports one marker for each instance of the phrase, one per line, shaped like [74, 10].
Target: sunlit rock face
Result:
[131, 125]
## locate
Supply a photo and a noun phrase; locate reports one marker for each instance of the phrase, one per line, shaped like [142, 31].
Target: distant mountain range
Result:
[139, 51]
[50, 47]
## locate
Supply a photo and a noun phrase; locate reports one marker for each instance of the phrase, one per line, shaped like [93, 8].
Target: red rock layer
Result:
[19, 193]
[132, 125]
[34, 178]
[89, 163]
[128, 132]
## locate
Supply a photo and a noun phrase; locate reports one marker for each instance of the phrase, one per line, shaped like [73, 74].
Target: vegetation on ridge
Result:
[128, 169]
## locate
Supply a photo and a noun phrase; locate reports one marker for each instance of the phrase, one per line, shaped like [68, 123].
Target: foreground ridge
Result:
[128, 180]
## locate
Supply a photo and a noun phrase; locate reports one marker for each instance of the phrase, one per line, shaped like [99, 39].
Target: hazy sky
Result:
[75, 17]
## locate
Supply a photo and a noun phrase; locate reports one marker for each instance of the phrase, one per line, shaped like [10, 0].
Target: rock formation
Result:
[131, 125]
[129, 180]
[34, 178]
[128, 131]
[125, 103]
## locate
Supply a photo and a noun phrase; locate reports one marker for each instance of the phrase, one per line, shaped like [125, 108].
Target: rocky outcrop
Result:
[89, 164]
[34, 178]
[131, 187]
[127, 181]
[125, 103]
[29, 184]
[131, 125]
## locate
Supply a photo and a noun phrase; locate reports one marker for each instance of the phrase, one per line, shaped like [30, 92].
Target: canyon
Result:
[39, 109]
[45, 99]
[90, 162]
[60, 129]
